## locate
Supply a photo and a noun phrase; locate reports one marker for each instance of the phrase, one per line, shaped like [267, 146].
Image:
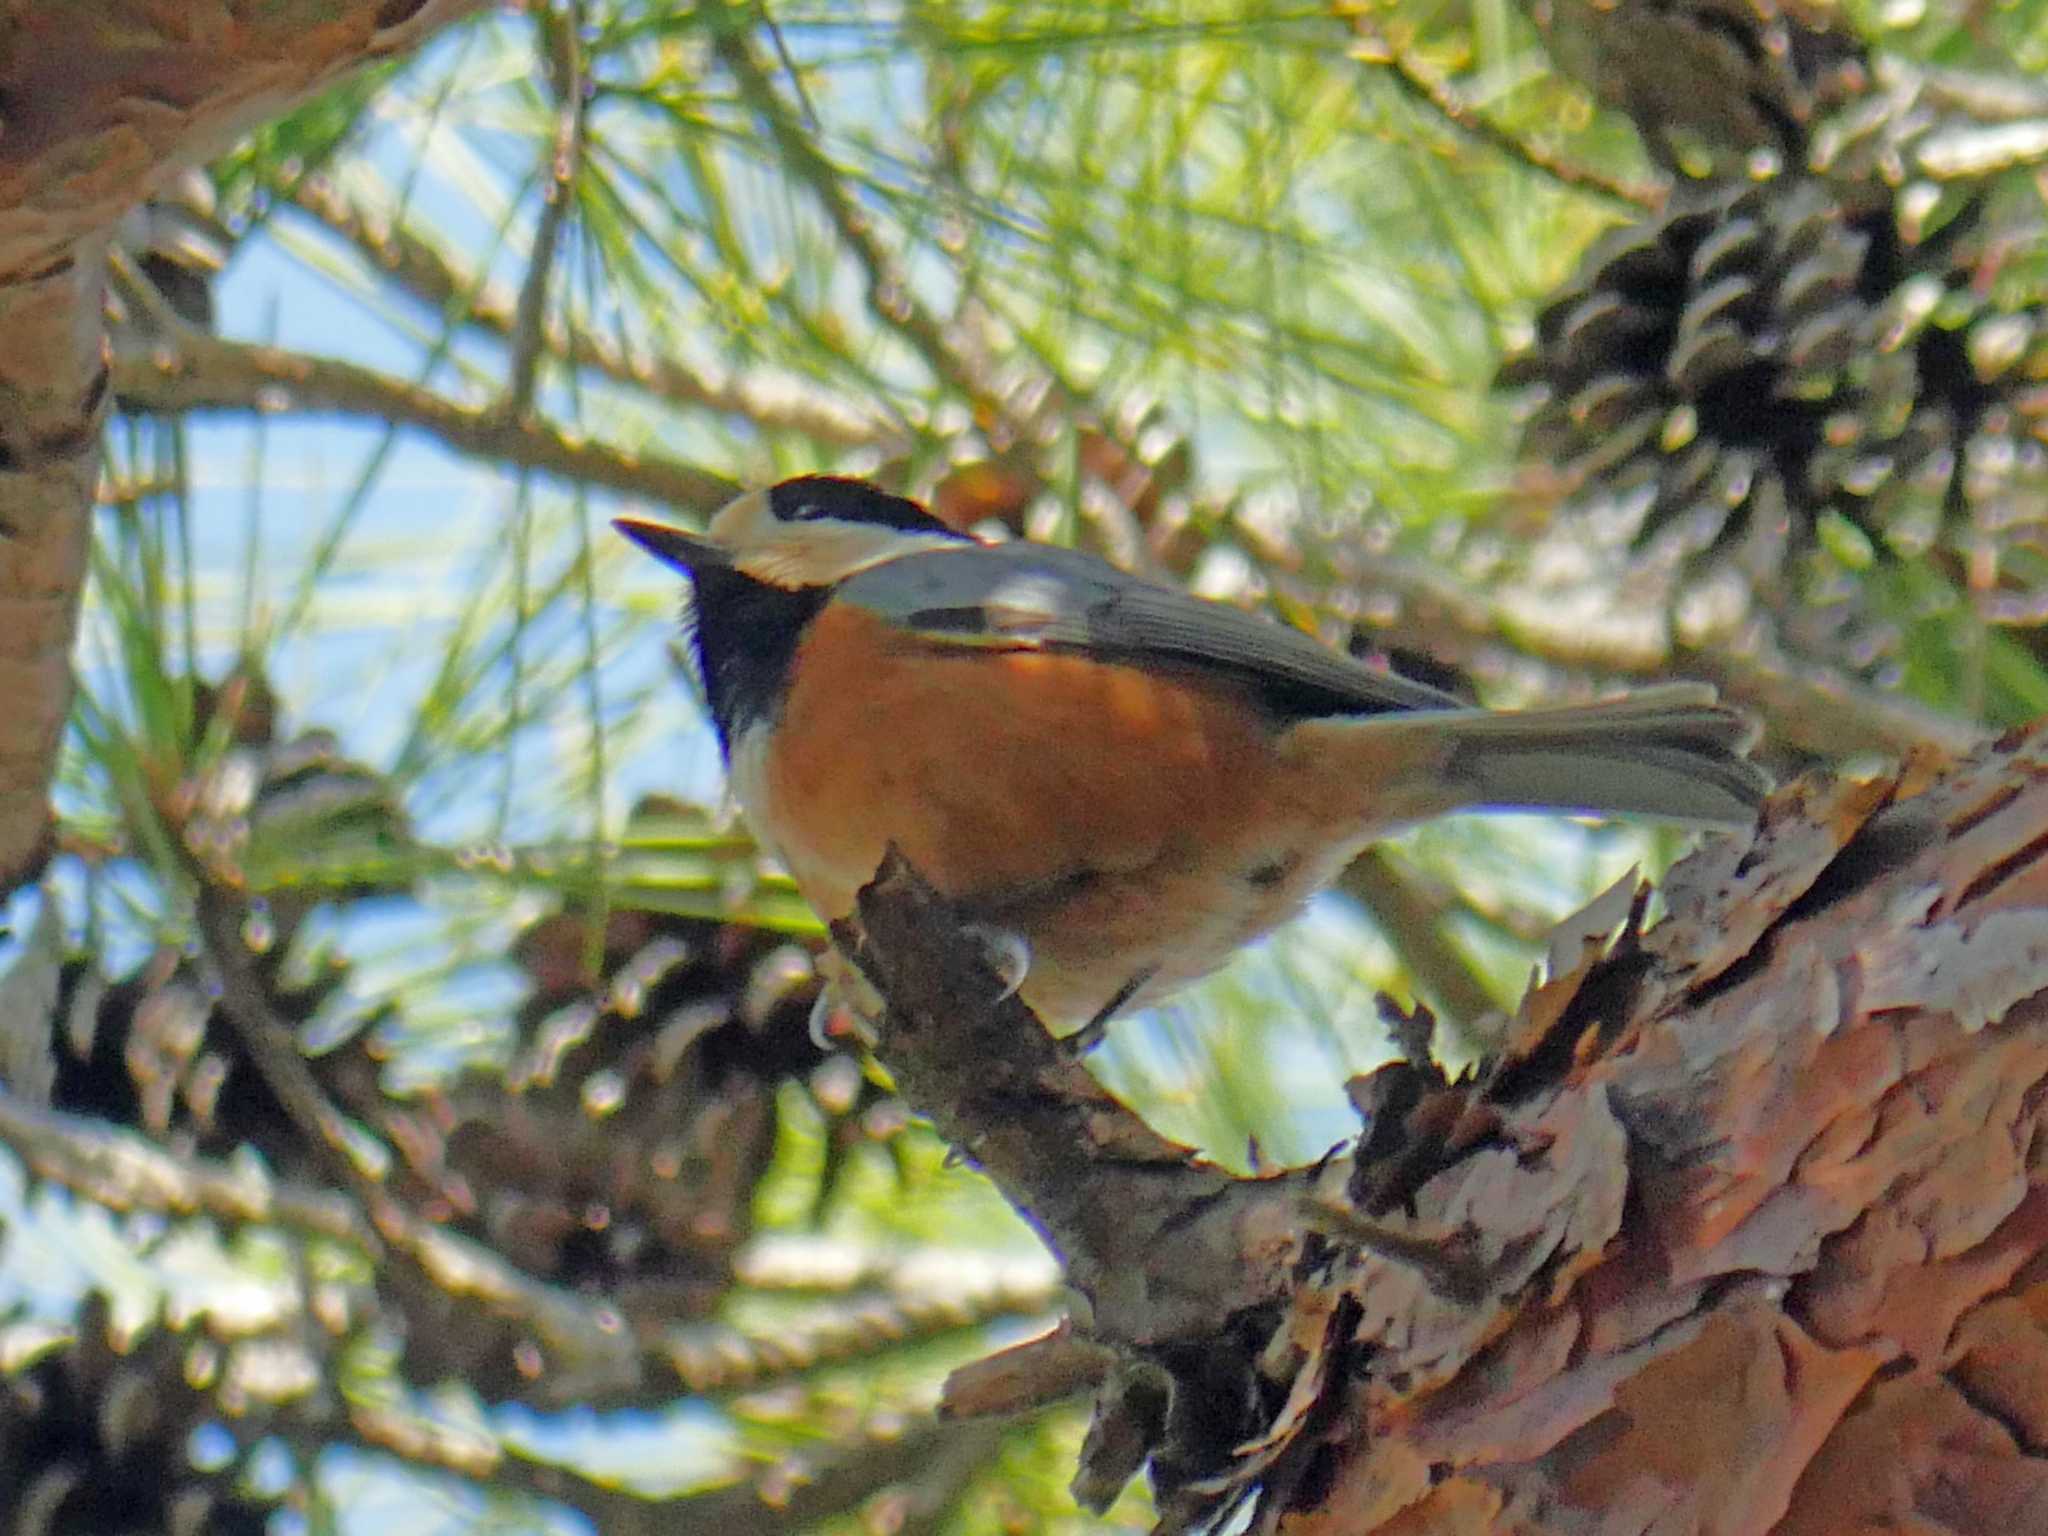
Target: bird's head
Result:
[762, 570]
[804, 534]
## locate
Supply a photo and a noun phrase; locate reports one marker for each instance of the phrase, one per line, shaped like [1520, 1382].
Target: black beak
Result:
[685, 551]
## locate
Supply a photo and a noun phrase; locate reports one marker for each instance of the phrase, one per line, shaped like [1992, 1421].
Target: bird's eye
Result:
[799, 501]
[834, 498]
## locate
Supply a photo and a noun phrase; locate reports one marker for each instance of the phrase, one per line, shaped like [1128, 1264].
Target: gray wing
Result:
[1032, 597]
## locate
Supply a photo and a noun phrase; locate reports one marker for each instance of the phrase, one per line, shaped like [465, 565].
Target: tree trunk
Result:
[1745, 1231]
[98, 105]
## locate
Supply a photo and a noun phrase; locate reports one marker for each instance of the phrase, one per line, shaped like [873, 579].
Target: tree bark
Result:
[1771, 1181]
[1744, 1232]
[98, 105]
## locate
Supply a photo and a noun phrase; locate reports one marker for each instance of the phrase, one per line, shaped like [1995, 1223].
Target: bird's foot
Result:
[847, 1003]
[1007, 952]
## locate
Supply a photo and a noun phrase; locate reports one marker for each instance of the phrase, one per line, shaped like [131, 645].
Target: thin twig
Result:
[716, 1358]
[1414, 927]
[788, 61]
[280, 1062]
[120, 491]
[1050, 1368]
[1425, 86]
[1820, 710]
[562, 51]
[890, 293]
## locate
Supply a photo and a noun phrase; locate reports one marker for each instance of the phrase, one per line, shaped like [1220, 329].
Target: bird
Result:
[1117, 784]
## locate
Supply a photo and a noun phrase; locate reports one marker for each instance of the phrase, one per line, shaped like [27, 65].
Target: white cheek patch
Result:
[821, 553]
[811, 552]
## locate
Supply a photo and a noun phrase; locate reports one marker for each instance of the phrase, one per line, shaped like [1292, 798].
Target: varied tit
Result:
[1122, 782]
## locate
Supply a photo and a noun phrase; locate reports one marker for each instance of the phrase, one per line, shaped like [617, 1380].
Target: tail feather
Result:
[1669, 753]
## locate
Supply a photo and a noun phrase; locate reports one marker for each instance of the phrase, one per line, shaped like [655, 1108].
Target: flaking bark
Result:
[99, 104]
[1744, 1232]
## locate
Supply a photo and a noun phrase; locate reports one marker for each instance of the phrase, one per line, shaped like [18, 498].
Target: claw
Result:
[1092, 1034]
[822, 1008]
[844, 988]
[1007, 951]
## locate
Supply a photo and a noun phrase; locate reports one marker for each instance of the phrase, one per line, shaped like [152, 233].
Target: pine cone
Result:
[619, 1151]
[1771, 364]
[96, 1440]
[150, 1050]
[1721, 77]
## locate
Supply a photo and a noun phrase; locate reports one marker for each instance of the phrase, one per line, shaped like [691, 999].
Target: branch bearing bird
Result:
[1120, 782]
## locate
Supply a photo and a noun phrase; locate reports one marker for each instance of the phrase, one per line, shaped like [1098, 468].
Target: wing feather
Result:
[1032, 597]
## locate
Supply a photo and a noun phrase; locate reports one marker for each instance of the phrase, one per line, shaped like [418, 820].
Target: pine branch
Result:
[562, 53]
[190, 371]
[1751, 1189]
[583, 1355]
[1162, 1248]
[892, 297]
[274, 1050]
[1778, 1157]
[1809, 708]
[429, 276]
[124, 1172]
[785, 1497]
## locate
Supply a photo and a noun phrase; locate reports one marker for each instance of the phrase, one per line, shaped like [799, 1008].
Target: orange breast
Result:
[998, 771]
[1119, 818]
